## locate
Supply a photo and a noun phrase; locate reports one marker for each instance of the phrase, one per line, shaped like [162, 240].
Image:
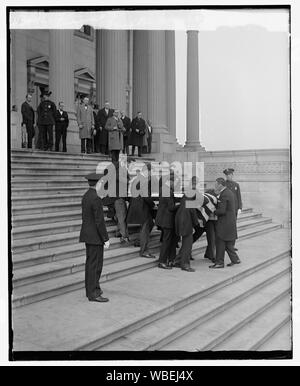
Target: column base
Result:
[193, 146]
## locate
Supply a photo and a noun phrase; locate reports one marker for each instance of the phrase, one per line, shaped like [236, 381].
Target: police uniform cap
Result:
[93, 176]
[228, 171]
[48, 93]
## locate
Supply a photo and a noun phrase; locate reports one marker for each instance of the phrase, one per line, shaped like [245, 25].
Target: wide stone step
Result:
[69, 225]
[55, 240]
[70, 322]
[244, 303]
[45, 199]
[22, 182]
[48, 255]
[211, 316]
[42, 155]
[280, 338]
[48, 190]
[32, 209]
[252, 333]
[72, 266]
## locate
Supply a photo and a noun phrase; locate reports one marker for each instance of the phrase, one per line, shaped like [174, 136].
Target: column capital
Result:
[192, 30]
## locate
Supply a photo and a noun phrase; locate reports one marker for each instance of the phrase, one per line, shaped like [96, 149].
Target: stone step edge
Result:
[249, 318]
[198, 247]
[270, 334]
[183, 330]
[80, 283]
[104, 340]
[27, 299]
[75, 222]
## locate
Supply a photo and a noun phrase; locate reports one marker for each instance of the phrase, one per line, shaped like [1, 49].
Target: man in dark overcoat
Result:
[140, 211]
[46, 120]
[94, 234]
[61, 125]
[235, 188]
[226, 230]
[138, 129]
[102, 134]
[28, 119]
[127, 125]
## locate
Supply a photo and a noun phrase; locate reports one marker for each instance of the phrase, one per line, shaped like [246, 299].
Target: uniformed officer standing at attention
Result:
[93, 233]
[235, 188]
[46, 119]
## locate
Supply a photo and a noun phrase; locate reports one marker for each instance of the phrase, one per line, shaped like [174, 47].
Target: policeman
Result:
[46, 119]
[235, 188]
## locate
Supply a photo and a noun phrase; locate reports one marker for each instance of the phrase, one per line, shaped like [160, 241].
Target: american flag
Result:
[206, 211]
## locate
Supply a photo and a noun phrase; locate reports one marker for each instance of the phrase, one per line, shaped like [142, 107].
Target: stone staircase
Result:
[48, 276]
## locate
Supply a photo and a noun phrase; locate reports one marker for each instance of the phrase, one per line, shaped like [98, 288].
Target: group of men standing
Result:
[177, 220]
[48, 115]
[106, 131]
[110, 131]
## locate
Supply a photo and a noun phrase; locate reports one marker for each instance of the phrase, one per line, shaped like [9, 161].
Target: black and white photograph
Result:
[149, 182]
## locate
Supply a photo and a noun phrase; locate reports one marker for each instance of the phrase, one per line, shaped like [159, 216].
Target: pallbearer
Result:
[93, 233]
[235, 188]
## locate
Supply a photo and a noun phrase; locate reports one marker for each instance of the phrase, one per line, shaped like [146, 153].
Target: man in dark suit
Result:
[61, 125]
[140, 209]
[235, 188]
[101, 137]
[127, 124]
[46, 119]
[28, 119]
[138, 129]
[226, 232]
[149, 138]
[165, 220]
[93, 233]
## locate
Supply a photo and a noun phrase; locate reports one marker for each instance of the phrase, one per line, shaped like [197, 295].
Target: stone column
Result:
[61, 68]
[112, 67]
[192, 102]
[18, 82]
[140, 71]
[157, 103]
[171, 82]
[61, 80]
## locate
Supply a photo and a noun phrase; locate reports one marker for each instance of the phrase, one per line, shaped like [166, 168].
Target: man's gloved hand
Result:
[106, 244]
[239, 211]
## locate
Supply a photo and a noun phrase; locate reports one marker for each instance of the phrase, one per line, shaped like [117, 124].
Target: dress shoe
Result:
[216, 266]
[99, 299]
[231, 264]
[188, 269]
[148, 256]
[191, 258]
[164, 266]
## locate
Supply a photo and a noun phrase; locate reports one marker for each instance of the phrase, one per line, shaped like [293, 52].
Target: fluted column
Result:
[171, 82]
[61, 68]
[192, 102]
[140, 70]
[112, 67]
[157, 104]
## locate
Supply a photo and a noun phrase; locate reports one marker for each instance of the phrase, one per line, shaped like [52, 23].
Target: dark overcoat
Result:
[165, 217]
[138, 128]
[235, 188]
[27, 114]
[61, 120]
[46, 112]
[101, 119]
[127, 126]
[93, 229]
[140, 208]
[226, 223]
[185, 219]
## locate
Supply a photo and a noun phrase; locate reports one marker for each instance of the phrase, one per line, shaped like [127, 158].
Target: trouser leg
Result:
[210, 252]
[64, 139]
[144, 235]
[132, 149]
[57, 137]
[88, 145]
[50, 137]
[186, 250]
[93, 269]
[30, 135]
[220, 250]
[121, 211]
[82, 145]
[229, 247]
[139, 151]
